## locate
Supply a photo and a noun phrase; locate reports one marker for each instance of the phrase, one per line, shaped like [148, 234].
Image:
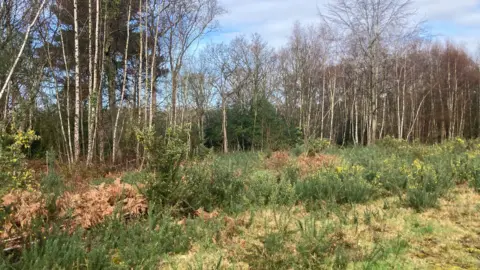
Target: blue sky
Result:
[457, 20]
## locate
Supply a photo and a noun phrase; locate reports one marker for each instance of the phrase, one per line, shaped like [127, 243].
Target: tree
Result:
[370, 26]
[27, 35]
[76, 132]
[187, 21]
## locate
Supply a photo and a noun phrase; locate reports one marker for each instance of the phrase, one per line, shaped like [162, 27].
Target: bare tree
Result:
[22, 48]
[370, 25]
[188, 21]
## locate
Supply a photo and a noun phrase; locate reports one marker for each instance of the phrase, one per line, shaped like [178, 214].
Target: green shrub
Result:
[165, 153]
[58, 250]
[457, 145]
[13, 167]
[475, 182]
[316, 146]
[291, 173]
[264, 188]
[135, 246]
[345, 185]
[392, 143]
[221, 186]
[474, 170]
[392, 175]
[205, 184]
[426, 185]
[298, 150]
[314, 244]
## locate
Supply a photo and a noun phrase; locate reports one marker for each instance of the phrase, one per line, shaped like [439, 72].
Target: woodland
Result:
[130, 137]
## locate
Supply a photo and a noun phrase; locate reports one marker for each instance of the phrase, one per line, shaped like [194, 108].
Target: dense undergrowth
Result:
[281, 210]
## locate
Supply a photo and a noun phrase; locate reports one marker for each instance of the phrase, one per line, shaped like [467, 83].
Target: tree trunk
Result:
[76, 129]
[174, 97]
[224, 124]
[140, 85]
[124, 86]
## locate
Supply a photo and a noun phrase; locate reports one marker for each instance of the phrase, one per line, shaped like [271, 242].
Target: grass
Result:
[390, 206]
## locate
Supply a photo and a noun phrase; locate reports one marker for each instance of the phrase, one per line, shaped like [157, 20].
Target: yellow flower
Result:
[417, 164]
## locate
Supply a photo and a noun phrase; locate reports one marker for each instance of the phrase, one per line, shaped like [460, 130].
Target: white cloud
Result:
[458, 20]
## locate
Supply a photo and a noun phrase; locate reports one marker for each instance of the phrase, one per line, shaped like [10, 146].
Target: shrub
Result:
[457, 145]
[314, 243]
[474, 172]
[475, 181]
[392, 175]
[312, 164]
[291, 173]
[345, 185]
[316, 146]
[390, 142]
[204, 184]
[111, 245]
[298, 150]
[426, 184]
[13, 167]
[165, 153]
[263, 188]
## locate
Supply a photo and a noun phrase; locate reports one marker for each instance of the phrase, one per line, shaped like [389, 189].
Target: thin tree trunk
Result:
[146, 68]
[323, 106]
[69, 125]
[96, 86]
[224, 123]
[90, 87]
[102, 133]
[62, 128]
[5, 112]
[124, 85]
[152, 74]
[332, 104]
[174, 97]
[76, 132]
[140, 71]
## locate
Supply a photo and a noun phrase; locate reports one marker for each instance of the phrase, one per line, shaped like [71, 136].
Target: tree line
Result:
[93, 78]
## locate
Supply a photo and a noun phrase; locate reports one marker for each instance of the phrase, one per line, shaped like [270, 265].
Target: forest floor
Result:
[382, 207]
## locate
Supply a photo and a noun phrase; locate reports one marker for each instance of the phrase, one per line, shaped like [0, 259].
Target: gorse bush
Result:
[208, 184]
[392, 143]
[426, 184]
[165, 153]
[392, 176]
[13, 169]
[110, 246]
[344, 185]
[316, 146]
[264, 188]
[298, 150]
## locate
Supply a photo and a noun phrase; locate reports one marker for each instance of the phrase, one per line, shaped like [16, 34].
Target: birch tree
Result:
[76, 130]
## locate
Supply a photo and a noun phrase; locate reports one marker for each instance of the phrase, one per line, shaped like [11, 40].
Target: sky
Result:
[456, 20]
